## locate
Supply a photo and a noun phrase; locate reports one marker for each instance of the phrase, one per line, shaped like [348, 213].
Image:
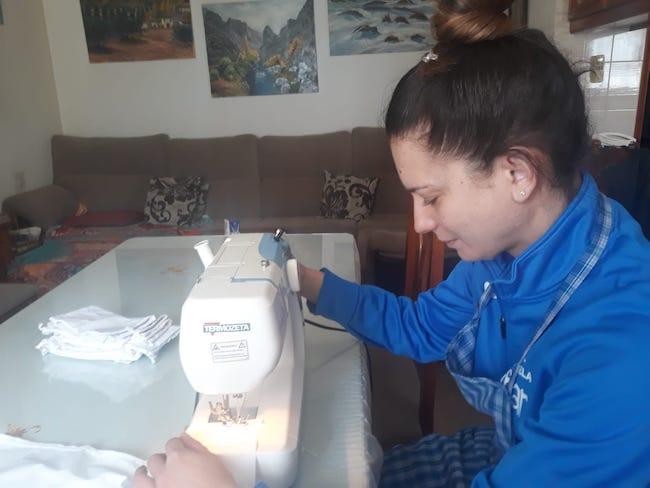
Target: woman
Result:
[546, 321]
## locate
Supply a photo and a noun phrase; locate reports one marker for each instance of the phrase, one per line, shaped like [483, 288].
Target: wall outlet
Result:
[20, 182]
[597, 69]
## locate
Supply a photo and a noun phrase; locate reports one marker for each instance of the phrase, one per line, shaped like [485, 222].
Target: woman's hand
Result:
[186, 463]
[311, 281]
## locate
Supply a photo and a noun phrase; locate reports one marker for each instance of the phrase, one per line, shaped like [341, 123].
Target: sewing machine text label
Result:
[229, 351]
[214, 327]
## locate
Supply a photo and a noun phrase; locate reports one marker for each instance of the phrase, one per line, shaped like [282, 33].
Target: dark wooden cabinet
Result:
[583, 8]
[587, 14]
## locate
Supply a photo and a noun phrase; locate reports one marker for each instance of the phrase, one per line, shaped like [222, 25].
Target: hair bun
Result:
[469, 21]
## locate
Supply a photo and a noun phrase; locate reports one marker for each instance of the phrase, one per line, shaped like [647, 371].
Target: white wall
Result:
[137, 98]
[541, 15]
[29, 112]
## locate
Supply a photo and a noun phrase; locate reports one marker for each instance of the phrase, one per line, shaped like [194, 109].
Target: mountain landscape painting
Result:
[379, 26]
[263, 47]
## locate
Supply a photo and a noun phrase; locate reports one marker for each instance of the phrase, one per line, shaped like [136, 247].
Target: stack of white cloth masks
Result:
[95, 333]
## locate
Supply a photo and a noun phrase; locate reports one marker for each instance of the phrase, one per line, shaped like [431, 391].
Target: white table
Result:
[136, 408]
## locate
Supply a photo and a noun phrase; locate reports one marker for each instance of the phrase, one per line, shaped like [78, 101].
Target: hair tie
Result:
[429, 56]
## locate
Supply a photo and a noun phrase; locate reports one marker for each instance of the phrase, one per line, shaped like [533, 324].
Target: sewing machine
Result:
[242, 349]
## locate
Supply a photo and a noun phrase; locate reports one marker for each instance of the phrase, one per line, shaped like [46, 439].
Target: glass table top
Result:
[137, 407]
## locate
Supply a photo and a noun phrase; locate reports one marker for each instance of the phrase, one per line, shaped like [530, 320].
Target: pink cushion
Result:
[114, 218]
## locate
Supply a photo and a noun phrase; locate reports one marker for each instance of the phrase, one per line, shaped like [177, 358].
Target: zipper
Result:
[502, 327]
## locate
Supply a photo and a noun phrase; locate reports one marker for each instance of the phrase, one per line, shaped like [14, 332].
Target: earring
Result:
[522, 193]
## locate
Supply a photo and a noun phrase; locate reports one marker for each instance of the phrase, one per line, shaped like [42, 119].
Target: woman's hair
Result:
[486, 89]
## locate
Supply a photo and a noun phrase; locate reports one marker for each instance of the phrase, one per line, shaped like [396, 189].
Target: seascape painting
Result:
[263, 47]
[379, 26]
[137, 30]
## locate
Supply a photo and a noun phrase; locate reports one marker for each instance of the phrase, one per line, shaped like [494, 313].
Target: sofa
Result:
[265, 182]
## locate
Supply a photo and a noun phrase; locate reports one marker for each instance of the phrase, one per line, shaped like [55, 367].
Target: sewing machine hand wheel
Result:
[293, 276]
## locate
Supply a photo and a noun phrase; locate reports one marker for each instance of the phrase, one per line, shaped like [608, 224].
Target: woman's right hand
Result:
[311, 281]
[186, 463]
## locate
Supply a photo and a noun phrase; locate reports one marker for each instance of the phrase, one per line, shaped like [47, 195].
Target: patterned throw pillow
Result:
[176, 201]
[347, 196]
[202, 205]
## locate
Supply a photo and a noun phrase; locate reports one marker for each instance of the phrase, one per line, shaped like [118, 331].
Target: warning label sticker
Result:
[229, 351]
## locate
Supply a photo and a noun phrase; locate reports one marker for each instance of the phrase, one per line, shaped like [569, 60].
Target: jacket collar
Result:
[542, 267]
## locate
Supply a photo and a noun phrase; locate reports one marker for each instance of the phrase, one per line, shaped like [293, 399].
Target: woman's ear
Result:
[520, 168]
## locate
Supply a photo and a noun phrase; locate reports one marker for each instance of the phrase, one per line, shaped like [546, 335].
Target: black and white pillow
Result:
[347, 196]
[176, 201]
[202, 205]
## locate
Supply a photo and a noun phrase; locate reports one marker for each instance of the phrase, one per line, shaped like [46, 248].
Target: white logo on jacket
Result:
[519, 395]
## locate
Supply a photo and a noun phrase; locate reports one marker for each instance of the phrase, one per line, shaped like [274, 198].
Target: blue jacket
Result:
[582, 409]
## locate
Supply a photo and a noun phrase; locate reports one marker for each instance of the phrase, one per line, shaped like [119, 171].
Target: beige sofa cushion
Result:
[109, 155]
[371, 156]
[46, 206]
[108, 192]
[297, 197]
[291, 171]
[383, 233]
[235, 198]
[229, 164]
[397, 222]
[299, 225]
[387, 241]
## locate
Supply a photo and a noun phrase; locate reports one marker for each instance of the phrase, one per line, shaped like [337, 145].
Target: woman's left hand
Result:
[186, 463]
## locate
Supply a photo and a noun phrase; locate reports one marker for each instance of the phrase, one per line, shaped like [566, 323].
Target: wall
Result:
[541, 15]
[136, 98]
[612, 103]
[174, 96]
[29, 112]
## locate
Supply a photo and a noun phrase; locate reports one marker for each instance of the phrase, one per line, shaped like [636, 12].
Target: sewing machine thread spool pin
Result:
[205, 253]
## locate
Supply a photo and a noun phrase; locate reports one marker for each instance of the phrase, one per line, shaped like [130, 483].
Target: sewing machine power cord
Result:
[321, 326]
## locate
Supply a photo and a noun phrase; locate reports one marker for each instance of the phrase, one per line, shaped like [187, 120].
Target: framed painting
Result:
[263, 47]
[379, 26]
[388, 26]
[137, 30]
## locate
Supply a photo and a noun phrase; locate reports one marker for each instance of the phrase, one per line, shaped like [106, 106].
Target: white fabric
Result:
[95, 333]
[29, 464]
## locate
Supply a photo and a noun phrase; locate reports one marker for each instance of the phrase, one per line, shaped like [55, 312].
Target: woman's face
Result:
[478, 216]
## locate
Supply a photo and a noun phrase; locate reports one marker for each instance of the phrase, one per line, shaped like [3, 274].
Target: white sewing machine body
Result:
[242, 348]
